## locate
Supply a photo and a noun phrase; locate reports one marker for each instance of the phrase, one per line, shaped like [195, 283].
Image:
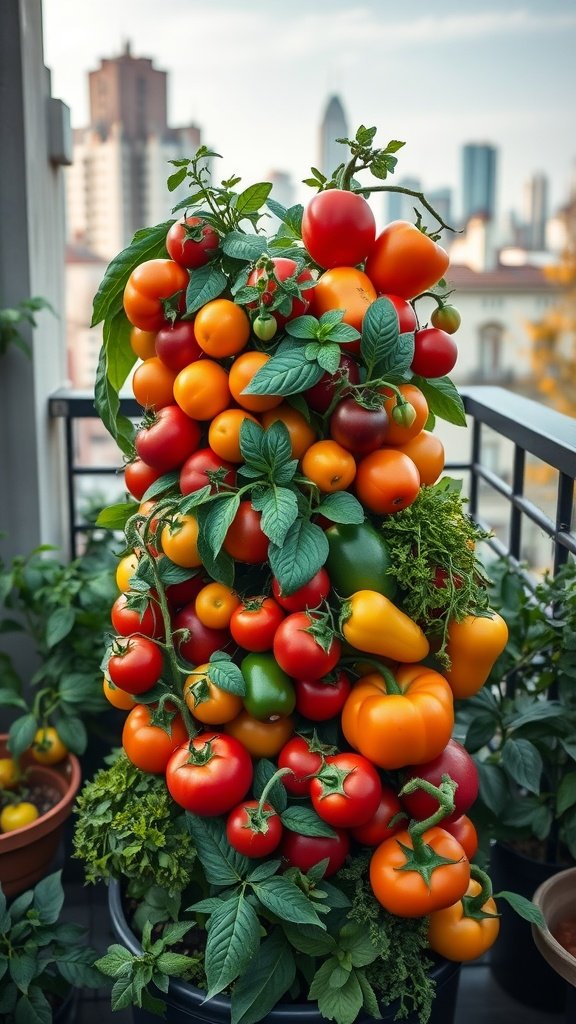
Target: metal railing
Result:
[532, 428]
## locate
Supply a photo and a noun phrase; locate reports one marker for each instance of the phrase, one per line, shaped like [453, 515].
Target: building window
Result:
[490, 343]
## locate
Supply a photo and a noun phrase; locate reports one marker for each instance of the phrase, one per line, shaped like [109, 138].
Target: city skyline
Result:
[439, 82]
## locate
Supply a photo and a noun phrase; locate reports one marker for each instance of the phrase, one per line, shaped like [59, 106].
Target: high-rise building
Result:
[400, 206]
[333, 127]
[536, 211]
[117, 182]
[478, 181]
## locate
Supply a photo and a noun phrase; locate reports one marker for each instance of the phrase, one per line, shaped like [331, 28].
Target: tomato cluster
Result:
[323, 681]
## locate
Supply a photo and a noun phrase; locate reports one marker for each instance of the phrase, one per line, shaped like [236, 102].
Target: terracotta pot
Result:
[27, 853]
[556, 898]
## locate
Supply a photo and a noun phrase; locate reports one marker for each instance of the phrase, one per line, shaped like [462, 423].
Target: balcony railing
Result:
[533, 431]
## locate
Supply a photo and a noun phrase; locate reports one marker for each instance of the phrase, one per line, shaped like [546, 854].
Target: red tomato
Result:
[378, 827]
[209, 774]
[435, 353]
[186, 592]
[135, 664]
[309, 596]
[320, 396]
[128, 620]
[298, 652]
[304, 852]
[358, 429]
[198, 642]
[146, 289]
[138, 477]
[321, 699]
[254, 835]
[169, 439]
[283, 270]
[464, 830]
[347, 790]
[204, 467]
[254, 623]
[404, 261]
[245, 540]
[407, 321]
[176, 345]
[454, 761]
[149, 746]
[303, 763]
[338, 228]
[191, 242]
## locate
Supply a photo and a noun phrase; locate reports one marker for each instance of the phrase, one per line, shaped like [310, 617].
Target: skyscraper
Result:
[333, 127]
[478, 181]
[400, 206]
[536, 211]
[117, 182]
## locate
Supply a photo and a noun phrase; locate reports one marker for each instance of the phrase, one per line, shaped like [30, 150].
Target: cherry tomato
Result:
[197, 642]
[454, 761]
[464, 830]
[407, 321]
[303, 761]
[400, 433]
[146, 289]
[405, 892]
[204, 467]
[304, 852]
[345, 288]
[346, 791]
[284, 269]
[387, 481]
[299, 653]
[435, 353]
[446, 318]
[321, 699]
[302, 434]
[201, 389]
[167, 441]
[378, 827]
[254, 834]
[328, 465]
[357, 429]
[427, 453]
[19, 815]
[209, 774]
[138, 477]
[221, 328]
[179, 540]
[149, 746]
[207, 702]
[191, 242]
[310, 595]
[457, 937]
[125, 570]
[135, 664]
[245, 541]
[176, 345]
[153, 384]
[404, 261]
[126, 620]
[224, 433]
[254, 623]
[47, 747]
[243, 369]
[215, 604]
[143, 343]
[261, 739]
[117, 698]
[338, 228]
[264, 326]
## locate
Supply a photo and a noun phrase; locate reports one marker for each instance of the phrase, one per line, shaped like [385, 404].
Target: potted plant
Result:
[520, 728]
[288, 799]
[44, 960]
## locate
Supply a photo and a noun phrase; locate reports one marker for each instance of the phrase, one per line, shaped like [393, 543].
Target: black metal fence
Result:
[532, 429]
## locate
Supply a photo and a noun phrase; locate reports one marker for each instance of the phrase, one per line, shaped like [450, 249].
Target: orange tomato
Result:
[116, 697]
[224, 433]
[396, 434]
[243, 369]
[261, 739]
[387, 481]
[302, 435]
[179, 541]
[329, 466]
[207, 702]
[143, 343]
[344, 288]
[221, 328]
[148, 285]
[125, 570]
[404, 261]
[201, 389]
[427, 453]
[214, 605]
[153, 384]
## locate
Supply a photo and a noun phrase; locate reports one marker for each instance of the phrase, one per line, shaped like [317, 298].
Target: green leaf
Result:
[380, 346]
[279, 508]
[33, 1008]
[304, 820]
[23, 968]
[10, 699]
[178, 965]
[304, 327]
[522, 906]
[218, 520]
[206, 283]
[303, 553]
[523, 762]
[176, 179]
[222, 865]
[355, 939]
[370, 1001]
[21, 735]
[542, 709]
[329, 357]
[116, 961]
[107, 404]
[227, 676]
[342, 1003]
[286, 373]
[284, 899]
[233, 940]
[566, 795]
[494, 790]
[271, 974]
[115, 517]
[59, 625]
[253, 198]
[244, 247]
[480, 732]
[309, 939]
[443, 399]
[277, 795]
[76, 966]
[341, 507]
[265, 869]
[72, 732]
[49, 898]
[147, 244]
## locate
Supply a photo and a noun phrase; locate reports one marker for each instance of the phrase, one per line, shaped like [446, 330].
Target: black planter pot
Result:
[515, 962]
[186, 1006]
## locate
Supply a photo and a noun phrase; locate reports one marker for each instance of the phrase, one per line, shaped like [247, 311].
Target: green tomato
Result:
[265, 327]
[446, 318]
[358, 559]
[269, 691]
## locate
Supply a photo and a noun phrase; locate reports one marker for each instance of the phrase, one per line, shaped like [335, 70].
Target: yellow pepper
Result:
[473, 647]
[373, 624]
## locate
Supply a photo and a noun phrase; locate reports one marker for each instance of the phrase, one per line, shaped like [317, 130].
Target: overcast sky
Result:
[255, 75]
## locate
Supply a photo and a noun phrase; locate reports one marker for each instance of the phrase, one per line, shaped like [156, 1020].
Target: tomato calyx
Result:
[472, 906]
[257, 817]
[333, 778]
[172, 306]
[321, 628]
[200, 755]
[421, 857]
